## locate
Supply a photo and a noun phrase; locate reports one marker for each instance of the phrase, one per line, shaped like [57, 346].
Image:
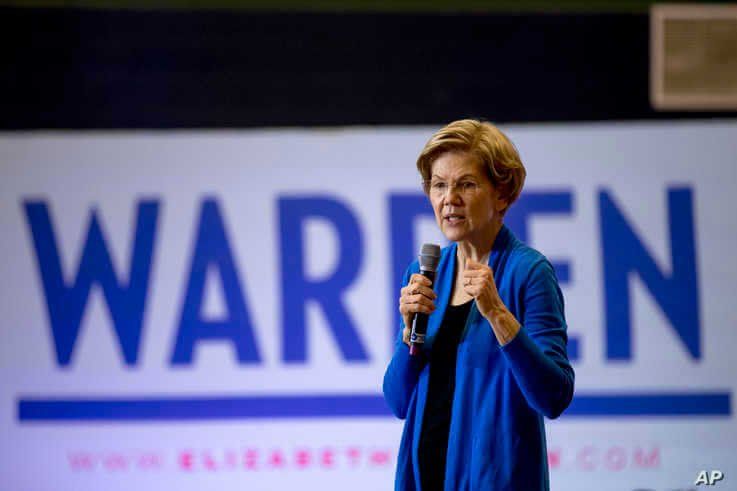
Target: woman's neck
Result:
[478, 248]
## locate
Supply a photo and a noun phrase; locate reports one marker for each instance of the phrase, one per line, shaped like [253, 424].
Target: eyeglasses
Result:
[437, 188]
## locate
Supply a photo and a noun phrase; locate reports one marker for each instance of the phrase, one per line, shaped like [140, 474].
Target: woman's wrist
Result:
[503, 323]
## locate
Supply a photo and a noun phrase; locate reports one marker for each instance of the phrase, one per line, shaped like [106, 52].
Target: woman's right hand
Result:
[417, 296]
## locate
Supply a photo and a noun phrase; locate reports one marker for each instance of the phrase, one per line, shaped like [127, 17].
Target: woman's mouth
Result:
[454, 218]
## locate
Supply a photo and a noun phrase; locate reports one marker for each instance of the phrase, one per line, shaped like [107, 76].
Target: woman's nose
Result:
[453, 194]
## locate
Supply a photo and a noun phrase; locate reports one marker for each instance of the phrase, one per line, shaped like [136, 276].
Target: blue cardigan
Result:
[497, 433]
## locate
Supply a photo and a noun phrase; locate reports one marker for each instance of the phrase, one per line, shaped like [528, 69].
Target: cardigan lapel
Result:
[443, 287]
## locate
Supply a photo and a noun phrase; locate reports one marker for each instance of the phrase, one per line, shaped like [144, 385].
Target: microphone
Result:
[429, 259]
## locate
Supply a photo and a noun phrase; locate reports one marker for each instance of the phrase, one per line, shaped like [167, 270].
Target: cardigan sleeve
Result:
[537, 354]
[403, 371]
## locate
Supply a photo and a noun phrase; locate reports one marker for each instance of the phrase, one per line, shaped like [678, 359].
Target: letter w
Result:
[66, 303]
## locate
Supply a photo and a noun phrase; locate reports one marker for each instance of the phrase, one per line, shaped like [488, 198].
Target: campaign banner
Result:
[215, 309]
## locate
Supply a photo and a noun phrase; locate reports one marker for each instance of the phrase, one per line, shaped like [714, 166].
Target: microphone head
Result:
[429, 257]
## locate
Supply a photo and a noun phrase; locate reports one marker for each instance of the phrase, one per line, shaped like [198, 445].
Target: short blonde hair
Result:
[487, 143]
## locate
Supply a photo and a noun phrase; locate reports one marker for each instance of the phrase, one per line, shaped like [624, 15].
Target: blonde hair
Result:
[485, 142]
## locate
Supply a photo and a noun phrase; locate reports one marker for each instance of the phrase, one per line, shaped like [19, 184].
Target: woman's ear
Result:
[501, 205]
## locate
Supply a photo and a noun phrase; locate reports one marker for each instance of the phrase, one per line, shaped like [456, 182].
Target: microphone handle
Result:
[419, 323]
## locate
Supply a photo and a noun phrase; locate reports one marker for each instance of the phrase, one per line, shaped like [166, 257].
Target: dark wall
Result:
[165, 69]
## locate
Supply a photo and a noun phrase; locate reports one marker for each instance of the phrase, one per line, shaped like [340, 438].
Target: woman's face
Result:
[465, 203]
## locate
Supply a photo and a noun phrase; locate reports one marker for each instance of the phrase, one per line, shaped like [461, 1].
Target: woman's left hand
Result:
[478, 281]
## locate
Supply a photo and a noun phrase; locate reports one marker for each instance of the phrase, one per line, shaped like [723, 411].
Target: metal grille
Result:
[693, 57]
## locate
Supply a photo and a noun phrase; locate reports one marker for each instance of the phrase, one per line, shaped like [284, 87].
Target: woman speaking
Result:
[494, 361]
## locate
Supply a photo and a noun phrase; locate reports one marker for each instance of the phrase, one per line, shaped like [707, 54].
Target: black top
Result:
[436, 420]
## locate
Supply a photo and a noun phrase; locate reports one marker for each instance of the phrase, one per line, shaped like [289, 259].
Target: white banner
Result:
[215, 309]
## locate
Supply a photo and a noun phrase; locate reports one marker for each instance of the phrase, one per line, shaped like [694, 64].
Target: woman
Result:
[494, 360]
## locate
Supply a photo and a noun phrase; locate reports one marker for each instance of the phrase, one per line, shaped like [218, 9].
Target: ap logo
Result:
[709, 478]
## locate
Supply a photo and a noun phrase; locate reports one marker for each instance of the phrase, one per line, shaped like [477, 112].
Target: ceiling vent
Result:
[693, 57]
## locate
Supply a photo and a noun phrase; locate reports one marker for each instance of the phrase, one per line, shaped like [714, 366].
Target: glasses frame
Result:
[461, 187]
